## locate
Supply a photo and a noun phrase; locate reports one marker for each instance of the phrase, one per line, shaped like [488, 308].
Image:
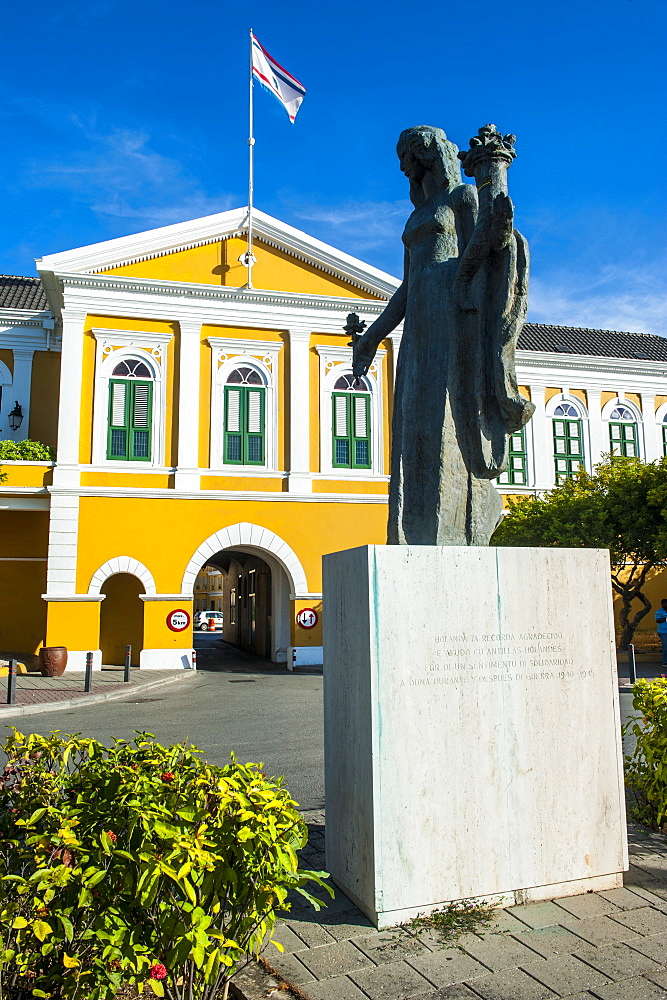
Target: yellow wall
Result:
[23, 615]
[44, 395]
[218, 264]
[121, 619]
[550, 393]
[7, 357]
[580, 394]
[74, 624]
[157, 635]
[164, 534]
[28, 474]
[606, 397]
[635, 398]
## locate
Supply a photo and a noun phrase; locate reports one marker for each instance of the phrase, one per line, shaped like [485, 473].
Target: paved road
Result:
[237, 702]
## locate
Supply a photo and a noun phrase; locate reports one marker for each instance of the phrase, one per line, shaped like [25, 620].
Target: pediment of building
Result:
[206, 251]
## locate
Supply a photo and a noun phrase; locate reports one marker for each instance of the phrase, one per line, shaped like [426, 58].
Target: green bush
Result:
[646, 768]
[138, 864]
[26, 451]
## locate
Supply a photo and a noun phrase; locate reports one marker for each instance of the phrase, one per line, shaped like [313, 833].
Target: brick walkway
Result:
[33, 689]
[608, 945]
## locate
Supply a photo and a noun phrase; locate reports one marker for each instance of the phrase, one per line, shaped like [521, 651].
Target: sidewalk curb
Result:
[11, 711]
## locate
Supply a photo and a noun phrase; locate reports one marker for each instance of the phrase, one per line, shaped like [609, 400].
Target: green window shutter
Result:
[568, 448]
[244, 437]
[117, 440]
[360, 405]
[351, 439]
[254, 429]
[130, 420]
[341, 452]
[623, 439]
[141, 413]
[516, 472]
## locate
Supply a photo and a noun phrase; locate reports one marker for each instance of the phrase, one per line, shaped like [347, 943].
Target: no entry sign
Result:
[307, 618]
[178, 620]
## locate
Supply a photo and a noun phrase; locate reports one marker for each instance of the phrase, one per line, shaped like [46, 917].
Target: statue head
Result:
[426, 148]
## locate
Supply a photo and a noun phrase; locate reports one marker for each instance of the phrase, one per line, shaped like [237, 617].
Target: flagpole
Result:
[251, 170]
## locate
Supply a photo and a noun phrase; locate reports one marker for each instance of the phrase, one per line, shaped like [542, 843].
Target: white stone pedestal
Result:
[472, 742]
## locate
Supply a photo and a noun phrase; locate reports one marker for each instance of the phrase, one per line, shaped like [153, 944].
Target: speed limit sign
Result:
[307, 618]
[178, 620]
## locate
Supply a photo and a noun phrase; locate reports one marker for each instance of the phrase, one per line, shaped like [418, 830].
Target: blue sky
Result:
[117, 117]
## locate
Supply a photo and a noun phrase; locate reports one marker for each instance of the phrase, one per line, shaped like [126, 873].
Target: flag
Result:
[282, 84]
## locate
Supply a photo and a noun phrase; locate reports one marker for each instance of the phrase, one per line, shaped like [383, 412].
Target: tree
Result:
[621, 506]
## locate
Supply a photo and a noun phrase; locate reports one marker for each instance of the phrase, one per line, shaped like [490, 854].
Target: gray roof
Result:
[597, 343]
[21, 293]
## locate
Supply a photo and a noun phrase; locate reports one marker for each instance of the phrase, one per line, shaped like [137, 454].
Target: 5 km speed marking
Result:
[307, 618]
[178, 620]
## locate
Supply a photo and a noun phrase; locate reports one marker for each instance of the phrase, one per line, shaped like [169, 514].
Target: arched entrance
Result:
[270, 575]
[121, 618]
[247, 601]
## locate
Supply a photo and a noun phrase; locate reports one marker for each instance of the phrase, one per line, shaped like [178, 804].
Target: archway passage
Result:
[255, 601]
[121, 619]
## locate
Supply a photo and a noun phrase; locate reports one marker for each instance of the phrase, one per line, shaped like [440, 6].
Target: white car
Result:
[203, 620]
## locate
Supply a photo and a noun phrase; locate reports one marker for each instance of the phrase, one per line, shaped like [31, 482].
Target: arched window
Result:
[130, 411]
[245, 417]
[517, 469]
[351, 423]
[568, 441]
[623, 432]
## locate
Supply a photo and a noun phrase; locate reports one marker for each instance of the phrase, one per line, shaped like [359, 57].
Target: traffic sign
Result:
[307, 618]
[178, 620]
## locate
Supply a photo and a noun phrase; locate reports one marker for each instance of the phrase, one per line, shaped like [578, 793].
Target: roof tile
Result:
[21, 293]
[595, 343]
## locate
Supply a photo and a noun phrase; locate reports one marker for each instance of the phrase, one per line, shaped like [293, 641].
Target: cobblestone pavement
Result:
[608, 945]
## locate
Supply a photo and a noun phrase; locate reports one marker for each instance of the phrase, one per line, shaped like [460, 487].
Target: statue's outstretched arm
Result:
[393, 313]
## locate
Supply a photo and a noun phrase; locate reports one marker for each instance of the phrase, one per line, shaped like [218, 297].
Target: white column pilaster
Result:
[395, 339]
[652, 433]
[66, 472]
[300, 480]
[597, 430]
[187, 472]
[21, 382]
[63, 543]
[543, 463]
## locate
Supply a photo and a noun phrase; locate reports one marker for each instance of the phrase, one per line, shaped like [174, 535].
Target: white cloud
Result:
[359, 225]
[119, 175]
[612, 298]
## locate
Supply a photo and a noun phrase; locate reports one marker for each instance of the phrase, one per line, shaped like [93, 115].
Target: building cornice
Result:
[214, 294]
[242, 496]
[580, 363]
[41, 318]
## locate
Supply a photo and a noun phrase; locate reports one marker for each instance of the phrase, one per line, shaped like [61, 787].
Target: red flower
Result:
[158, 971]
[113, 837]
[167, 777]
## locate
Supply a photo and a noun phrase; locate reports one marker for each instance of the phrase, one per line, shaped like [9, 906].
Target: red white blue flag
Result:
[282, 84]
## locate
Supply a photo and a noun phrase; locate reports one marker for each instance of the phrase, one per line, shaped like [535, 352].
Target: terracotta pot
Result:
[52, 660]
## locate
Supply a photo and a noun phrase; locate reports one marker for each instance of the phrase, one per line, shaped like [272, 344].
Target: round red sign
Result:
[307, 618]
[178, 620]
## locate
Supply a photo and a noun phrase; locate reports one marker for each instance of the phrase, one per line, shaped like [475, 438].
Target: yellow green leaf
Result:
[70, 961]
[157, 987]
[41, 929]
[19, 923]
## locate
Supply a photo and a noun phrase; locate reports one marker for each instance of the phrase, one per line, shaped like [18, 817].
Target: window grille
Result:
[130, 413]
[244, 430]
[516, 473]
[351, 424]
[568, 441]
[623, 432]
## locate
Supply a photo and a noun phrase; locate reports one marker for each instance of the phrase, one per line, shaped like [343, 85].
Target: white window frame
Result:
[607, 411]
[334, 362]
[585, 427]
[227, 354]
[114, 346]
[661, 421]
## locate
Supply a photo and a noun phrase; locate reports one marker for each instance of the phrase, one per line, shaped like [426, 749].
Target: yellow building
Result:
[200, 423]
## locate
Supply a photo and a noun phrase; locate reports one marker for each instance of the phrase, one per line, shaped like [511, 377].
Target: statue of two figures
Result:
[463, 302]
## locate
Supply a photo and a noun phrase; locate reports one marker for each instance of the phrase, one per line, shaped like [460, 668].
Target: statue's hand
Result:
[363, 353]
[502, 220]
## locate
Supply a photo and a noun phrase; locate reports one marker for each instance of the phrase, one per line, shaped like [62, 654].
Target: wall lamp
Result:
[16, 417]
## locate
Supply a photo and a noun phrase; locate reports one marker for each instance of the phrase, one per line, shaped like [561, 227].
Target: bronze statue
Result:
[463, 300]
